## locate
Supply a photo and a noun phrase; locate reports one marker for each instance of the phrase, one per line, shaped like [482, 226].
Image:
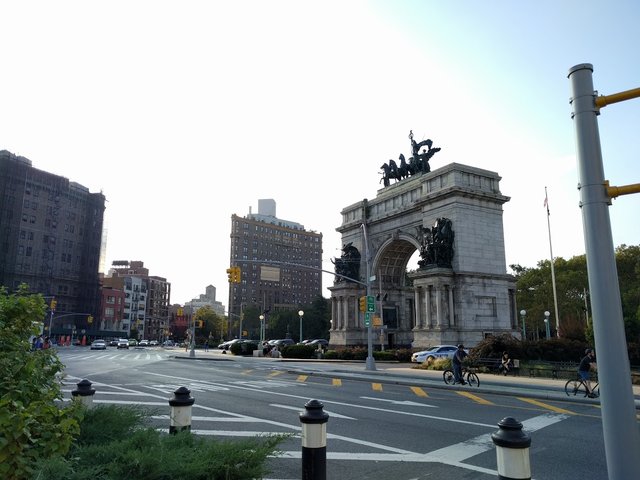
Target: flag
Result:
[546, 200]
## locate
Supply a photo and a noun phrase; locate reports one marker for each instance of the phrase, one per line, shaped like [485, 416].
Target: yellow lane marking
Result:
[276, 373]
[419, 392]
[546, 405]
[377, 387]
[302, 378]
[246, 372]
[475, 398]
[336, 382]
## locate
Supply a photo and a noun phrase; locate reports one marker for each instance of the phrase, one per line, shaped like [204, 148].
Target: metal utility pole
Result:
[620, 426]
[370, 363]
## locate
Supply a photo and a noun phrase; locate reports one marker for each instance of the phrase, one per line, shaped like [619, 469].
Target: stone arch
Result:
[460, 300]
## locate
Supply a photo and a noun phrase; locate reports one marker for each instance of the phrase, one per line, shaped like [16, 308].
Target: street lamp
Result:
[523, 314]
[301, 313]
[261, 330]
[192, 352]
[546, 323]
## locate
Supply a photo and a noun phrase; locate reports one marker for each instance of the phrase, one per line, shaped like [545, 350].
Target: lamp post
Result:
[301, 314]
[261, 330]
[546, 323]
[192, 352]
[523, 314]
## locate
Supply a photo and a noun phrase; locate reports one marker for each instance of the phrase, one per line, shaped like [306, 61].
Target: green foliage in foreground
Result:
[32, 425]
[114, 444]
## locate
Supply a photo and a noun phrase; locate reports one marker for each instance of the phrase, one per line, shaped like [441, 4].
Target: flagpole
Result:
[553, 273]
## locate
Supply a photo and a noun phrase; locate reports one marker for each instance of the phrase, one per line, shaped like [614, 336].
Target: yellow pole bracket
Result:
[614, 192]
[604, 100]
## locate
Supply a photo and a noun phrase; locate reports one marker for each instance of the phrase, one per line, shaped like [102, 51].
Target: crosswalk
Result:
[120, 355]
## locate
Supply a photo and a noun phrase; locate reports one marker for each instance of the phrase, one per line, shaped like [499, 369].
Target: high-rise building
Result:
[207, 299]
[147, 299]
[283, 285]
[50, 239]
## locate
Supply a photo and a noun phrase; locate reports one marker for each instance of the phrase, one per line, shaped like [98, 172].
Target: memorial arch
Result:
[460, 291]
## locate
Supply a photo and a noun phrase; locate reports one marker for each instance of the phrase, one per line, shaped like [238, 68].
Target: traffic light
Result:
[363, 303]
[54, 302]
[231, 274]
[238, 275]
[90, 319]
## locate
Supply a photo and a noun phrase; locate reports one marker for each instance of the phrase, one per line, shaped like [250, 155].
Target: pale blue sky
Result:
[184, 113]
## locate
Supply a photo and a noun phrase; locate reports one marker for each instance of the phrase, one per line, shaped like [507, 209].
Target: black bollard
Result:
[180, 417]
[84, 393]
[314, 441]
[512, 450]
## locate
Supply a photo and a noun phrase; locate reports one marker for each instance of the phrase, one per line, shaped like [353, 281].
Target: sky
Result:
[183, 113]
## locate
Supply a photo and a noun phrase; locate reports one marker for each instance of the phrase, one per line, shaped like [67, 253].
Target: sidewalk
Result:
[404, 374]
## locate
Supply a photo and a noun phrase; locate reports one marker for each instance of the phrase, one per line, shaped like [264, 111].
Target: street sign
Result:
[371, 303]
[377, 321]
[367, 319]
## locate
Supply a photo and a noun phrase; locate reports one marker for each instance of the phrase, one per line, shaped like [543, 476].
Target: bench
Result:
[493, 365]
[554, 370]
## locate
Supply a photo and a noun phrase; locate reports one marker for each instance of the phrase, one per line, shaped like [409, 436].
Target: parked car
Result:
[133, 342]
[123, 343]
[143, 343]
[153, 343]
[168, 343]
[113, 343]
[98, 345]
[227, 345]
[283, 342]
[319, 341]
[439, 351]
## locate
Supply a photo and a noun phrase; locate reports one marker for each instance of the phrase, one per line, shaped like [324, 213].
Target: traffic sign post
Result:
[371, 303]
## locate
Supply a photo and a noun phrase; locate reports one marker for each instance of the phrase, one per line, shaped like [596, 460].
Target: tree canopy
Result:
[535, 294]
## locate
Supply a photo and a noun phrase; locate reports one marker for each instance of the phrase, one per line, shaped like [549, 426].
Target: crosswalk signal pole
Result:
[619, 423]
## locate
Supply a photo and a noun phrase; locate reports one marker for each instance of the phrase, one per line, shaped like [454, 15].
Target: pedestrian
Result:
[505, 363]
[457, 360]
[39, 343]
[206, 345]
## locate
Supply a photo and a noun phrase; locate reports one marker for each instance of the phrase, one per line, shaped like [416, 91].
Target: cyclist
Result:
[586, 364]
[457, 360]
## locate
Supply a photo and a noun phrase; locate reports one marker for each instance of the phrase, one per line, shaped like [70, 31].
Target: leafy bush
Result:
[385, 356]
[243, 348]
[115, 448]
[32, 426]
[299, 351]
[435, 364]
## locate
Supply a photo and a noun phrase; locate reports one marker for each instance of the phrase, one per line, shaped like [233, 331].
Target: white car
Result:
[143, 343]
[439, 351]
[98, 345]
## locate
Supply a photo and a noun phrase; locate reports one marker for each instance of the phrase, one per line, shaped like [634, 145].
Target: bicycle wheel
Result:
[473, 380]
[448, 377]
[575, 387]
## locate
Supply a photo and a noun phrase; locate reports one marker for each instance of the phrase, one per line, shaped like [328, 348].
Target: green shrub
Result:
[435, 364]
[32, 424]
[384, 356]
[243, 348]
[127, 450]
[299, 351]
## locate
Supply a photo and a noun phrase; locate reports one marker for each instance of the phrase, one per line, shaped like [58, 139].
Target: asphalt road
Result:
[391, 423]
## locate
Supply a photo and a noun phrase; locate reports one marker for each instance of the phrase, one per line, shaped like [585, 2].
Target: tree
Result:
[32, 426]
[535, 294]
[213, 325]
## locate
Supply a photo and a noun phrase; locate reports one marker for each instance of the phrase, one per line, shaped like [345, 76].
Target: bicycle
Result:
[577, 386]
[468, 375]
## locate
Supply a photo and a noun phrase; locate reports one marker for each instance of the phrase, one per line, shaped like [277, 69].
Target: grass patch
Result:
[116, 443]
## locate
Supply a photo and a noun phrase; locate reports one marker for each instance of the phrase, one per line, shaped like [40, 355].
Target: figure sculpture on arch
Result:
[421, 160]
[348, 265]
[437, 244]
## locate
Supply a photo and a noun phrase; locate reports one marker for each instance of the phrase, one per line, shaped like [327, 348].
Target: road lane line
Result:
[336, 382]
[546, 405]
[377, 387]
[276, 373]
[333, 402]
[475, 398]
[483, 443]
[419, 392]
[302, 378]
[298, 409]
